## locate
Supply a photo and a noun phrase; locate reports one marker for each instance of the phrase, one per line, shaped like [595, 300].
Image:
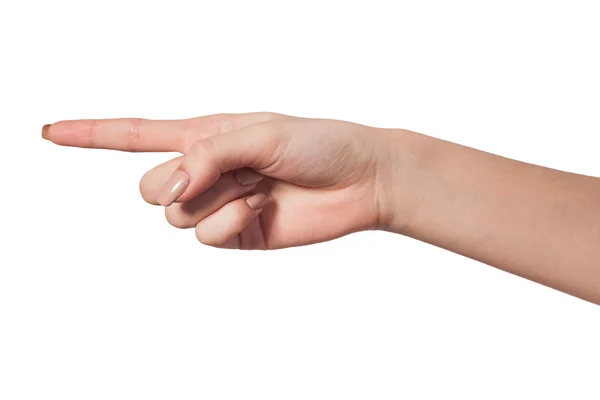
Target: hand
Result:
[252, 181]
[268, 181]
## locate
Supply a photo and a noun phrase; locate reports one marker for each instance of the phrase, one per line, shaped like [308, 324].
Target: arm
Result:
[269, 181]
[531, 221]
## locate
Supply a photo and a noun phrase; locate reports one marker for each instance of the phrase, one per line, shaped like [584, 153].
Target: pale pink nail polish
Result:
[256, 201]
[173, 188]
[248, 176]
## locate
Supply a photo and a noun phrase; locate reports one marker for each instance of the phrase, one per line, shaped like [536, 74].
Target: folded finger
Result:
[221, 228]
[231, 184]
[153, 180]
[228, 188]
[257, 146]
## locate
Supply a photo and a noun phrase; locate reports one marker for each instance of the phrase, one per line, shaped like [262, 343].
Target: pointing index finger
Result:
[138, 135]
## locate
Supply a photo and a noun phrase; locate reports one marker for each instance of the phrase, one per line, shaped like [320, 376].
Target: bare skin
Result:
[270, 181]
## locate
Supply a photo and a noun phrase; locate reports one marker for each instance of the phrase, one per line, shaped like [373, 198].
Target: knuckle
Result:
[92, 133]
[223, 124]
[239, 218]
[266, 116]
[190, 132]
[268, 128]
[273, 136]
[184, 135]
[204, 152]
[204, 148]
[133, 134]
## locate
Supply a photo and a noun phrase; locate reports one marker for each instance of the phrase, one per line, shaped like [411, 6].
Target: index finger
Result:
[138, 134]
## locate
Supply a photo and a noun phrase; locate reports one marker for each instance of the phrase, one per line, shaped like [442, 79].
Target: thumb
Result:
[257, 146]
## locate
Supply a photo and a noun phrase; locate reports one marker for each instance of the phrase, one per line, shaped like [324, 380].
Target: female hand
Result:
[252, 181]
[267, 181]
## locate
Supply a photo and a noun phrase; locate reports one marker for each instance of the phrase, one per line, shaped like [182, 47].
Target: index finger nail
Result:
[45, 130]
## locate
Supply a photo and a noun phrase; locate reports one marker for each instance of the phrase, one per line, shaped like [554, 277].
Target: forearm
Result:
[535, 222]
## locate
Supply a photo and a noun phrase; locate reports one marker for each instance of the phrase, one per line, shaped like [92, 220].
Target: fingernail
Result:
[256, 201]
[45, 130]
[173, 188]
[248, 176]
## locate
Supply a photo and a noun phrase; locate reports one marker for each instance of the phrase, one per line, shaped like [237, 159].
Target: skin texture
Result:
[270, 181]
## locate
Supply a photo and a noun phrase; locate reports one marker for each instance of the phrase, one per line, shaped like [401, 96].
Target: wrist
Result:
[400, 178]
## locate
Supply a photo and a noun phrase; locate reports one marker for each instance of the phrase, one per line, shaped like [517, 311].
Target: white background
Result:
[101, 299]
